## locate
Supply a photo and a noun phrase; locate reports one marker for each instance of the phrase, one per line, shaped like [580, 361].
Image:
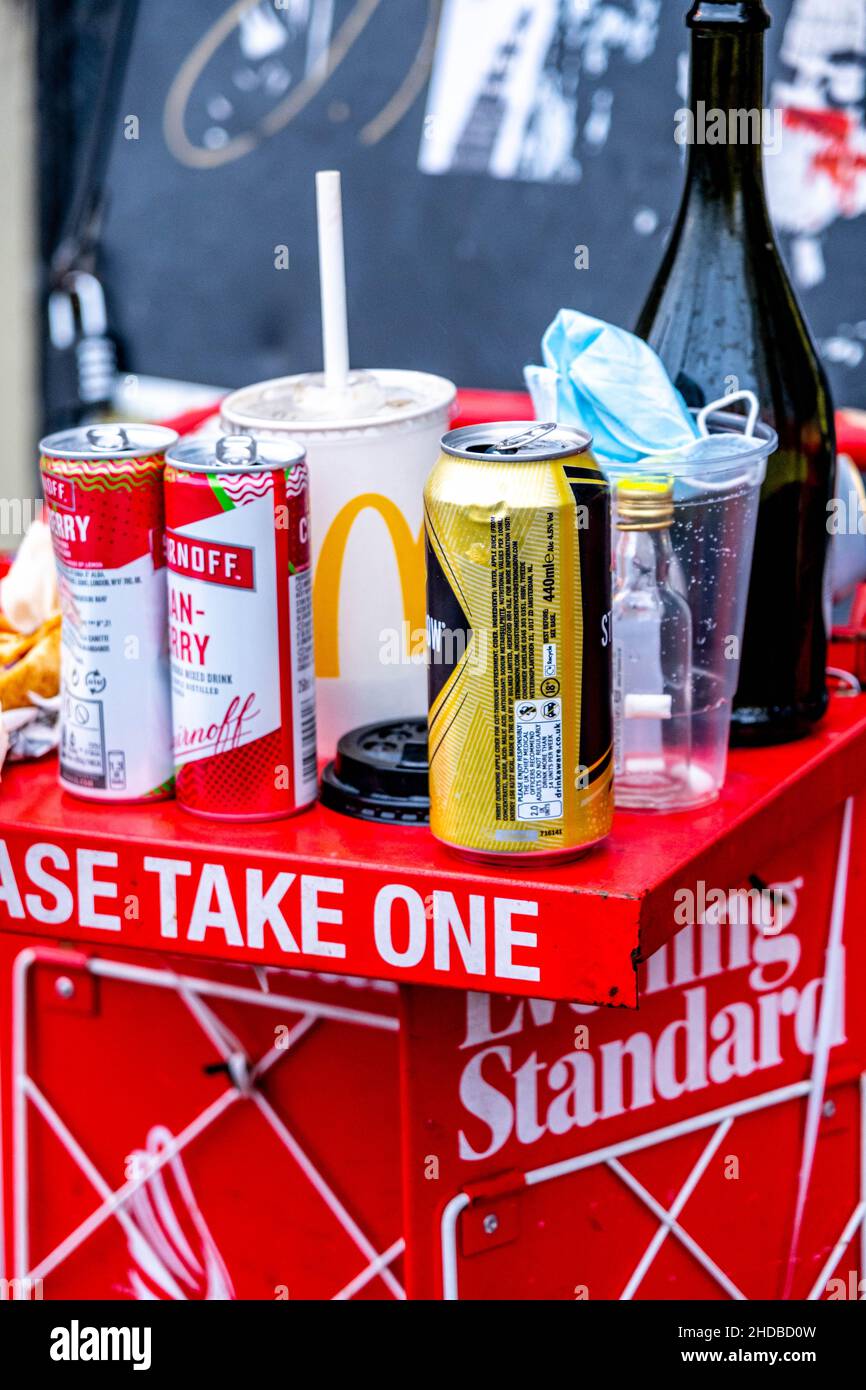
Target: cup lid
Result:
[374, 397]
[381, 773]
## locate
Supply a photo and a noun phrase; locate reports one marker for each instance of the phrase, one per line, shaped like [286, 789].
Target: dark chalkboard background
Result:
[457, 272]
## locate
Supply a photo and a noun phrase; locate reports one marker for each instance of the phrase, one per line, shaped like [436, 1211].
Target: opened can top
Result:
[110, 441]
[235, 453]
[516, 441]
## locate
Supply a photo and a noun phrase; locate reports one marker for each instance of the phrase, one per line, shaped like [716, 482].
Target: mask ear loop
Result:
[754, 410]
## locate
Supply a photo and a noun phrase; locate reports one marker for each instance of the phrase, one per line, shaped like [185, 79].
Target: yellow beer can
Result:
[517, 523]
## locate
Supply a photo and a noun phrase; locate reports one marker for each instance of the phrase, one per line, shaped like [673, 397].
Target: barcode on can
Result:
[304, 681]
[618, 708]
[308, 741]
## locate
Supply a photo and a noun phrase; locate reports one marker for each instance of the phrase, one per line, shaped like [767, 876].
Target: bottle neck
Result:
[728, 125]
[644, 558]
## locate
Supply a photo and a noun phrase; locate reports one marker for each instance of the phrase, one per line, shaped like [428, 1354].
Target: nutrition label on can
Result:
[114, 736]
[512, 640]
[82, 741]
[538, 759]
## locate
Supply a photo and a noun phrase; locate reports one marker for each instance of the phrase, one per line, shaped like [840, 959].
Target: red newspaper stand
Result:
[326, 1059]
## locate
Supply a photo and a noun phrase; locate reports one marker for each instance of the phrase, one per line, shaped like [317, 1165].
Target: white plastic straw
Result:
[332, 279]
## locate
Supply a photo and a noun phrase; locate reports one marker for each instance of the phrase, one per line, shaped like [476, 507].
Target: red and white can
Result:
[240, 628]
[104, 506]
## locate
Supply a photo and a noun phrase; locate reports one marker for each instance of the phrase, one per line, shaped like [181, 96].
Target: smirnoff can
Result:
[240, 628]
[518, 625]
[104, 506]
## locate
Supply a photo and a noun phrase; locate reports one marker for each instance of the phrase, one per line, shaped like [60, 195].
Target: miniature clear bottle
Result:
[652, 653]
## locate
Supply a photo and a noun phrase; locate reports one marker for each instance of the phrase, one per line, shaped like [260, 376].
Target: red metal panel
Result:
[125, 1063]
[492, 1088]
[373, 900]
[497, 1088]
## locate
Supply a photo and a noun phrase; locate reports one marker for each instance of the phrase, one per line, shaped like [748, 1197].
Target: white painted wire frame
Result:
[192, 991]
[723, 1118]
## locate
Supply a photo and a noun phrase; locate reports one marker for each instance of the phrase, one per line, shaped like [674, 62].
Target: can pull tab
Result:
[107, 437]
[520, 441]
[237, 448]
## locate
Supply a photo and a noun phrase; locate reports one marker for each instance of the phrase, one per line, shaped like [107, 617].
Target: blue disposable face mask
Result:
[611, 384]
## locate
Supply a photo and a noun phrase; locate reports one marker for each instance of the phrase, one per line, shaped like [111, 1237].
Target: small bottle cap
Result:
[644, 504]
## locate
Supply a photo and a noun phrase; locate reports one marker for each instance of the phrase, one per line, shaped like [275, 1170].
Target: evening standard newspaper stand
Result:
[325, 1059]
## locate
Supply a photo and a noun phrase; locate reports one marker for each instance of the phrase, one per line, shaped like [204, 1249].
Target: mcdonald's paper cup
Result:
[369, 453]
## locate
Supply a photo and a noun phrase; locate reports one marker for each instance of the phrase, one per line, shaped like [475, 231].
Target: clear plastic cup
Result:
[716, 489]
[369, 451]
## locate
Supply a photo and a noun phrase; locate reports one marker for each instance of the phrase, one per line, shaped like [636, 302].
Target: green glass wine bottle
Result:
[722, 315]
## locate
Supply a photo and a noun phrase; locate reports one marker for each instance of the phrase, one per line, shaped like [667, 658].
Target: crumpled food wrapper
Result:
[28, 593]
[30, 650]
[30, 733]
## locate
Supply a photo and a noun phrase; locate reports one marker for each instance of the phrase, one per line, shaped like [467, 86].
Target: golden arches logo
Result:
[409, 553]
